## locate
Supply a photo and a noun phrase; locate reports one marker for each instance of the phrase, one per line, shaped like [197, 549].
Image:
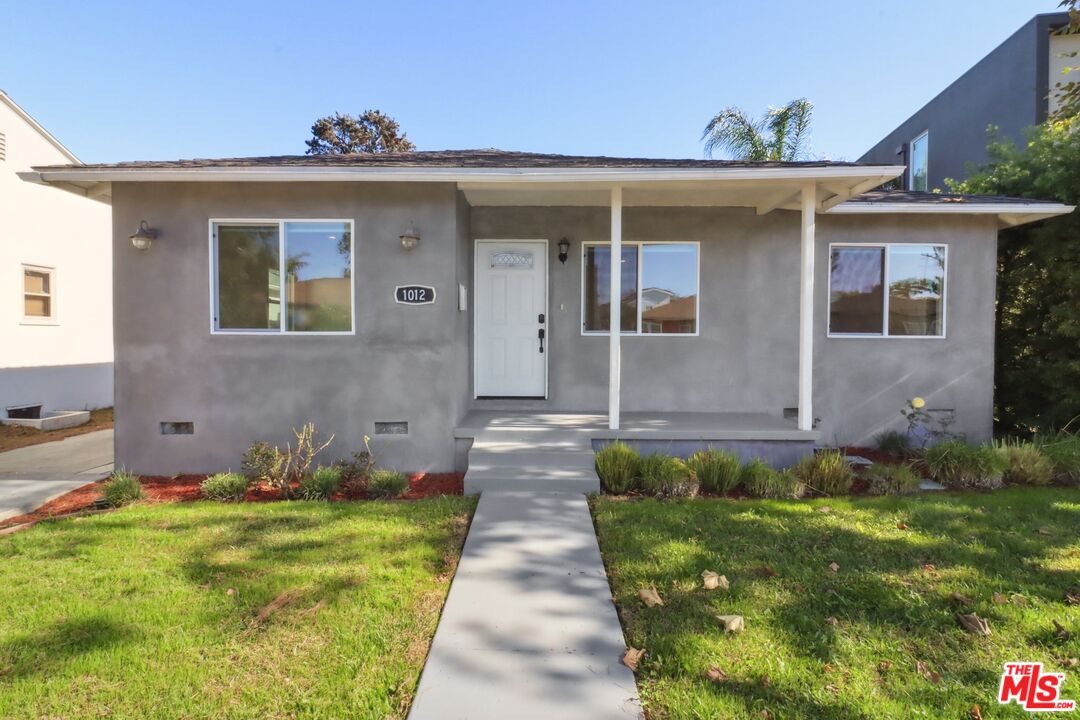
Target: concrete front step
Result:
[560, 460]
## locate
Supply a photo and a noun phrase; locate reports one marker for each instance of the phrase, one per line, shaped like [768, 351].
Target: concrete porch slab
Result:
[529, 629]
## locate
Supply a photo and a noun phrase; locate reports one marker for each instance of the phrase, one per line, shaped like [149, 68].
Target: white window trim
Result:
[53, 318]
[884, 334]
[640, 244]
[282, 259]
[911, 160]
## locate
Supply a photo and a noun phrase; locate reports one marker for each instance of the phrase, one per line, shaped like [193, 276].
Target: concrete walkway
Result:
[34, 475]
[529, 629]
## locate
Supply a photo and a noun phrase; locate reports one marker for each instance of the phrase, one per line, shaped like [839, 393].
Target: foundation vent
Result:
[396, 427]
[178, 428]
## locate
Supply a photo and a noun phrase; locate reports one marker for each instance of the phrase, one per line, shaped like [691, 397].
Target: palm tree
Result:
[783, 134]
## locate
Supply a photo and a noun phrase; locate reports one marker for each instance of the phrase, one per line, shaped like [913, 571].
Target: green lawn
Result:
[154, 611]
[894, 624]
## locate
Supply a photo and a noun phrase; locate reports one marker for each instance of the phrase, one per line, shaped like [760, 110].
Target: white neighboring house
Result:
[56, 340]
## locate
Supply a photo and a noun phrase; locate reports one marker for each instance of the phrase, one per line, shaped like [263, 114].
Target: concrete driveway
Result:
[34, 475]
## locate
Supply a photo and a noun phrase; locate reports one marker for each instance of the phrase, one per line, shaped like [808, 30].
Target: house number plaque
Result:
[414, 295]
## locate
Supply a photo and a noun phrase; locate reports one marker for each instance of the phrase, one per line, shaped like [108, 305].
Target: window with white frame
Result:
[39, 293]
[887, 290]
[283, 276]
[918, 166]
[659, 288]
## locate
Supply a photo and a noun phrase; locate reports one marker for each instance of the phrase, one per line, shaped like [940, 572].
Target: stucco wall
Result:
[403, 363]
[65, 363]
[414, 363]
[745, 358]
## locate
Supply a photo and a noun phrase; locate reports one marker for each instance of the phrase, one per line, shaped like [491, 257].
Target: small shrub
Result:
[321, 484]
[1063, 450]
[893, 442]
[225, 487]
[760, 480]
[956, 464]
[387, 484]
[264, 462]
[666, 476]
[892, 480]
[618, 466]
[122, 488]
[1027, 465]
[716, 470]
[827, 472]
[355, 472]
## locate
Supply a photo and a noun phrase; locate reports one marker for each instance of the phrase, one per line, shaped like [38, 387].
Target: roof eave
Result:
[1008, 214]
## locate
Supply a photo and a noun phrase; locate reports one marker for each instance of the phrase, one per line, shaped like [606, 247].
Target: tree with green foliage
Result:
[372, 132]
[1068, 91]
[782, 134]
[1038, 310]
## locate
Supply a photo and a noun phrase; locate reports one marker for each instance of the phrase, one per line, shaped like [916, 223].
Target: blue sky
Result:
[125, 81]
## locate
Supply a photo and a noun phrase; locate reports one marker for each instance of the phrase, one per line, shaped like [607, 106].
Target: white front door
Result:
[511, 318]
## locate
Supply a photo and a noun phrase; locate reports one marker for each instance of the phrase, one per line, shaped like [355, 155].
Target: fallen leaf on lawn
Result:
[1000, 599]
[934, 677]
[766, 715]
[283, 600]
[632, 657]
[921, 667]
[961, 599]
[973, 623]
[1072, 596]
[650, 597]
[1018, 599]
[230, 592]
[901, 526]
[766, 571]
[975, 713]
[827, 668]
[833, 689]
[831, 620]
[732, 623]
[765, 681]
[712, 581]
[884, 665]
[825, 509]
[1062, 633]
[929, 568]
[1071, 662]
[1045, 531]
[834, 567]
[715, 674]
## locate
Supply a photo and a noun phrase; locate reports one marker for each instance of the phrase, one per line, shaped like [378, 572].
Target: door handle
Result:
[540, 334]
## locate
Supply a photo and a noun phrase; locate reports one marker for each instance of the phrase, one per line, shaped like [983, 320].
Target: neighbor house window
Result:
[918, 167]
[283, 276]
[39, 293]
[891, 290]
[659, 288]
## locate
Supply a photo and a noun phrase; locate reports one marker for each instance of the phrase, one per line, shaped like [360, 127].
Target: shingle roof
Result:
[909, 197]
[487, 158]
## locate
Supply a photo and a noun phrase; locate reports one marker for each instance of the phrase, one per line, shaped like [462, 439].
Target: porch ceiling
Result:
[765, 194]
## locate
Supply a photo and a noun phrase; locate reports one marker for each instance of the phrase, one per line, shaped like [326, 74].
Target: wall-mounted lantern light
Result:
[564, 250]
[144, 236]
[410, 238]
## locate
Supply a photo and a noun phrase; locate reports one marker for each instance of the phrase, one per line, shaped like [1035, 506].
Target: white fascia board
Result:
[487, 175]
[1010, 213]
[37, 127]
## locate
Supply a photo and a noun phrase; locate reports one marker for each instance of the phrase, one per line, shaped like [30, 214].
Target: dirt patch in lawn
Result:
[184, 488]
[16, 436]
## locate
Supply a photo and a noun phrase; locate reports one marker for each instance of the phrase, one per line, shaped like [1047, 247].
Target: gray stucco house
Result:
[455, 306]
[1012, 88]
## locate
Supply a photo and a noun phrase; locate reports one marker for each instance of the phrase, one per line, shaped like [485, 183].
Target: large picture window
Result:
[283, 276]
[891, 290]
[659, 288]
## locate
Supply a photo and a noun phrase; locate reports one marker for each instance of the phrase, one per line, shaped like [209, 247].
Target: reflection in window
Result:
[37, 292]
[856, 303]
[667, 274]
[669, 289]
[313, 257]
[598, 288]
[916, 289]
[915, 306]
[319, 292]
[248, 282]
[920, 162]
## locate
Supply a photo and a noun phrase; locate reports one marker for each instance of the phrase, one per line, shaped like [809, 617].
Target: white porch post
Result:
[806, 309]
[615, 334]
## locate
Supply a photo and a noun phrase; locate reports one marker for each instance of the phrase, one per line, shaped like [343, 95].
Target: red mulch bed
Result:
[184, 488]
